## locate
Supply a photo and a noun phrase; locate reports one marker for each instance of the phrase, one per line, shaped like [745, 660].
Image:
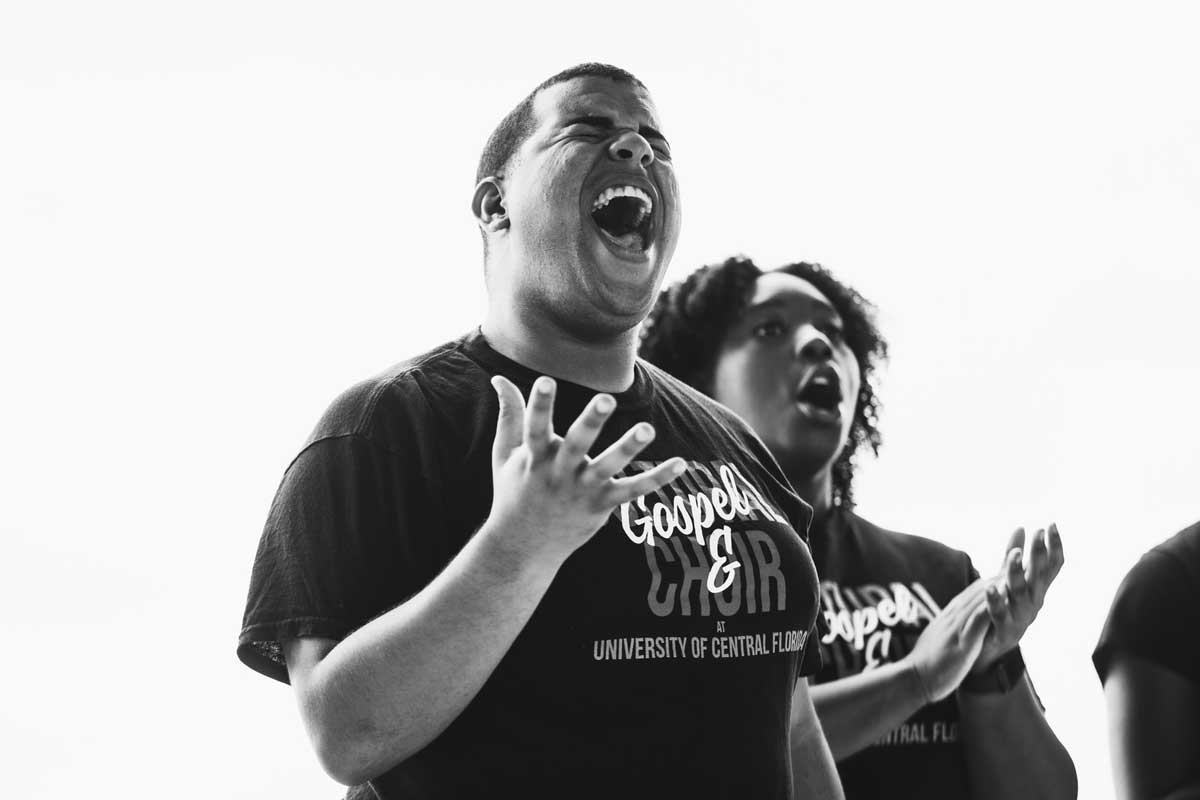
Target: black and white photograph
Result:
[546, 400]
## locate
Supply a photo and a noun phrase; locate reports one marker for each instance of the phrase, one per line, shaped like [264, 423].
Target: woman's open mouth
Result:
[820, 398]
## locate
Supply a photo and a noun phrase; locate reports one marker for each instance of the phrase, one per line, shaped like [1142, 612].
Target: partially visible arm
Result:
[857, 710]
[1010, 749]
[1153, 730]
[813, 772]
[389, 688]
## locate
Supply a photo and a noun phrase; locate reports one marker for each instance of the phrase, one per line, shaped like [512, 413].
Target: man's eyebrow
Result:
[604, 123]
[607, 124]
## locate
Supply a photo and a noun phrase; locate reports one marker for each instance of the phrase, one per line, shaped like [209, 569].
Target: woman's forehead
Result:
[780, 287]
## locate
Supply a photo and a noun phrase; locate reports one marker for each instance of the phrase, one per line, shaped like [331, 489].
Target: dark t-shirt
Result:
[1156, 611]
[631, 678]
[879, 590]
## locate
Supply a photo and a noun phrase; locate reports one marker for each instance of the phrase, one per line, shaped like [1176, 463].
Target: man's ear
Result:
[488, 205]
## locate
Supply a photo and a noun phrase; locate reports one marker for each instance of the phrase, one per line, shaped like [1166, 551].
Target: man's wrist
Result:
[505, 556]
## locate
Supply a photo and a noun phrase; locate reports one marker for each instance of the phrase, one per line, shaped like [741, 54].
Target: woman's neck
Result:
[815, 489]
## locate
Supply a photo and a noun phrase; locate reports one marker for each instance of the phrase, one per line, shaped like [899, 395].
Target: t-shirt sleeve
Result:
[338, 548]
[1154, 616]
[971, 573]
[812, 662]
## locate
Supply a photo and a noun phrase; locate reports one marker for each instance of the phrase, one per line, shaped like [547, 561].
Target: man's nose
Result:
[632, 146]
[812, 344]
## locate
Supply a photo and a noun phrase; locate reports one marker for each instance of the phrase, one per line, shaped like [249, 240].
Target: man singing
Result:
[601, 590]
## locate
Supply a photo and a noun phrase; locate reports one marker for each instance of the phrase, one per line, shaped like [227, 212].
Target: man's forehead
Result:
[595, 95]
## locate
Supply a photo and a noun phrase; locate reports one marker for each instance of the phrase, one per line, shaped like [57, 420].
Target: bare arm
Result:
[1010, 749]
[813, 772]
[392, 686]
[388, 689]
[857, 710]
[1153, 730]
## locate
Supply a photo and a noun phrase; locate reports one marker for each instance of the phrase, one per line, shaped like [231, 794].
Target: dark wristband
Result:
[999, 678]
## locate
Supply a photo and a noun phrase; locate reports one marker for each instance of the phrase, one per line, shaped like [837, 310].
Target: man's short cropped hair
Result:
[517, 125]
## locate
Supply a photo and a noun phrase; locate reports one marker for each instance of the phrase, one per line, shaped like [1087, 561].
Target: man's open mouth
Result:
[623, 213]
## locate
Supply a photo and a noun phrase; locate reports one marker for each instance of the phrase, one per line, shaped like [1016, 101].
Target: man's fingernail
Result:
[604, 403]
[644, 432]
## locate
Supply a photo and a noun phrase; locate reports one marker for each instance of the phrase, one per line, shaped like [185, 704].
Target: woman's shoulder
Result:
[908, 546]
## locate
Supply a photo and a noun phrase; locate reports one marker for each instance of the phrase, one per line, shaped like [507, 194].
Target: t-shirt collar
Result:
[477, 348]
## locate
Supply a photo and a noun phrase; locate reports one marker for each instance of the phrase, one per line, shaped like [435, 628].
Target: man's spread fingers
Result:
[626, 489]
[621, 452]
[583, 432]
[539, 417]
[510, 421]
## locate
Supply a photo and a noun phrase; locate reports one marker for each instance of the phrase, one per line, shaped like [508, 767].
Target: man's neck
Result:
[604, 365]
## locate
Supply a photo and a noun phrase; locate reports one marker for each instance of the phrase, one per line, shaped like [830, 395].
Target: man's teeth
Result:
[624, 191]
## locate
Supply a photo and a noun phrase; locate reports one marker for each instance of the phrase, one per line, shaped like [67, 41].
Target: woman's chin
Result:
[805, 459]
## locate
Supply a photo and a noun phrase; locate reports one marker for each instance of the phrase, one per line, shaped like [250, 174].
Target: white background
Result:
[214, 217]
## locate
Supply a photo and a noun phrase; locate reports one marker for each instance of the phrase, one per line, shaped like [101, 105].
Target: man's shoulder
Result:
[693, 401]
[405, 399]
[700, 417]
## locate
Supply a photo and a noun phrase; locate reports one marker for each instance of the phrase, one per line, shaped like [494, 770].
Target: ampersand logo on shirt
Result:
[698, 562]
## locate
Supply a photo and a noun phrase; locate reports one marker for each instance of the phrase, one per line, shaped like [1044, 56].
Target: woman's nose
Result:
[812, 344]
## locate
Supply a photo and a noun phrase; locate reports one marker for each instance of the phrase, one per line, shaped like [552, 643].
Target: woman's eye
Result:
[769, 329]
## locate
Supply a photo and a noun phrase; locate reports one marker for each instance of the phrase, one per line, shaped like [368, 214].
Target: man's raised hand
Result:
[549, 497]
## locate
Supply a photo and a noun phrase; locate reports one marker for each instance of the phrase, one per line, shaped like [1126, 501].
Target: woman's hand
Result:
[1013, 604]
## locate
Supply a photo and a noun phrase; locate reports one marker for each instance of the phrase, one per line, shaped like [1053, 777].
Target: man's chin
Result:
[621, 273]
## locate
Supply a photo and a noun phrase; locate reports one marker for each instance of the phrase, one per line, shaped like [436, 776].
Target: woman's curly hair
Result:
[684, 331]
